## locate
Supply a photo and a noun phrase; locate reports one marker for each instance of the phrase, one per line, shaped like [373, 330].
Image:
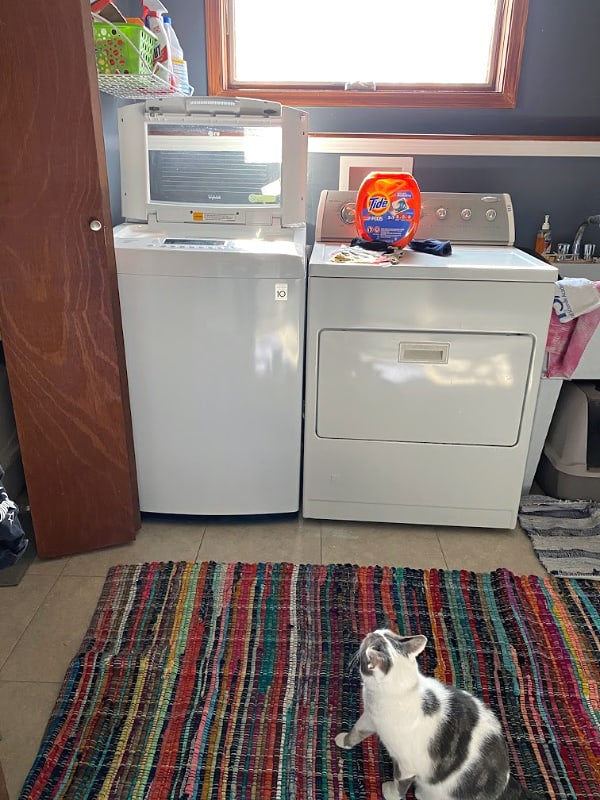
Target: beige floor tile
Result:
[296, 540]
[156, 541]
[19, 604]
[51, 567]
[51, 640]
[395, 545]
[24, 711]
[483, 550]
[12, 774]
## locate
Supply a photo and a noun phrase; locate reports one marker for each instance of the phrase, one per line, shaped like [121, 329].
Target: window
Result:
[444, 53]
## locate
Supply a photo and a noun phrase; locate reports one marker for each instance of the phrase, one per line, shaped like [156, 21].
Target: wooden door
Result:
[59, 308]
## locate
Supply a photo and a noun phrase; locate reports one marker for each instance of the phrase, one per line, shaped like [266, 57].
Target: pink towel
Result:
[567, 341]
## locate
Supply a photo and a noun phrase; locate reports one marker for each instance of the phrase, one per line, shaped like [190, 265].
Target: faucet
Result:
[593, 220]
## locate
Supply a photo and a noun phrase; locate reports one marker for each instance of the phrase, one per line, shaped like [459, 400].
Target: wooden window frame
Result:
[501, 92]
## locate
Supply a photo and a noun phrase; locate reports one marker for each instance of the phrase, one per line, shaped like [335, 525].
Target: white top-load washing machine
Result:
[421, 377]
[212, 277]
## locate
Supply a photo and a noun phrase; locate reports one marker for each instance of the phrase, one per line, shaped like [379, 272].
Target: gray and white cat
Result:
[442, 739]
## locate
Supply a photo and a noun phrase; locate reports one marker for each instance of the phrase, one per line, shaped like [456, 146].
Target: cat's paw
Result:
[389, 790]
[341, 740]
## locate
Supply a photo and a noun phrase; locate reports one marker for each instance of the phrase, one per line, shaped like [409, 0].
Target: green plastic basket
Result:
[123, 48]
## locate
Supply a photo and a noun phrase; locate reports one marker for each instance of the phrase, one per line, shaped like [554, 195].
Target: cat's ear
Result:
[415, 645]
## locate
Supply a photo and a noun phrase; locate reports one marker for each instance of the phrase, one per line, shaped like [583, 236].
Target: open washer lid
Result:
[213, 160]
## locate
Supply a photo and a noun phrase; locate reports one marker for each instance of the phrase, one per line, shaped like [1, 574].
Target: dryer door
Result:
[444, 388]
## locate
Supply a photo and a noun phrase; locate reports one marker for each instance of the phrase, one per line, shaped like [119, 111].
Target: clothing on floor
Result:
[13, 542]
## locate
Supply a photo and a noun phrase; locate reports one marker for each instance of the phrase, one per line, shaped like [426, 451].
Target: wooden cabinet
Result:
[59, 306]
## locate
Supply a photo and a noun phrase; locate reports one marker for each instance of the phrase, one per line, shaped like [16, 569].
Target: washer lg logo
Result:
[281, 291]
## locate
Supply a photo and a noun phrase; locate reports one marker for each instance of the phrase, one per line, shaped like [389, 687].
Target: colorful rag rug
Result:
[230, 681]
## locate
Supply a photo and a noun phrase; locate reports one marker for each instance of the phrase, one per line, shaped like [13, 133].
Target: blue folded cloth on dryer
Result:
[434, 247]
[372, 244]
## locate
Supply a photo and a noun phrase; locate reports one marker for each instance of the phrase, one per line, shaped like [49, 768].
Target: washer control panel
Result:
[460, 217]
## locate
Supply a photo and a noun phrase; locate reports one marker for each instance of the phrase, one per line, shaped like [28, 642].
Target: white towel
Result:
[574, 297]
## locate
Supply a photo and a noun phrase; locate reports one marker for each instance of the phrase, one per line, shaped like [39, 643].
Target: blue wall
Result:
[559, 95]
[111, 142]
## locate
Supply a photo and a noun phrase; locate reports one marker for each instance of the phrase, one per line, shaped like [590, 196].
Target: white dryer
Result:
[212, 282]
[422, 377]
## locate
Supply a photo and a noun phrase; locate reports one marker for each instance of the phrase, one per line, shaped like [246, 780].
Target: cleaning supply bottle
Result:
[543, 242]
[179, 63]
[163, 64]
[388, 208]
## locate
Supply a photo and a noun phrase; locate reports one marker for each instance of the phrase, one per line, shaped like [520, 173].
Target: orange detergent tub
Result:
[388, 208]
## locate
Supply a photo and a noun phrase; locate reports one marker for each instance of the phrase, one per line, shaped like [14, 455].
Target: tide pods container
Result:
[388, 207]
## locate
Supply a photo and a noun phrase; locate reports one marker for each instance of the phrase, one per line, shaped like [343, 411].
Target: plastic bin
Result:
[570, 464]
[123, 48]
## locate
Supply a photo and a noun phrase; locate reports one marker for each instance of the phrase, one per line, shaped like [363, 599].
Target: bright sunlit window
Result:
[327, 52]
[436, 41]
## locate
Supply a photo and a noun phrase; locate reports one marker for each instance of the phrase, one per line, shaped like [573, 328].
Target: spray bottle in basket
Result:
[179, 63]
[163, 64]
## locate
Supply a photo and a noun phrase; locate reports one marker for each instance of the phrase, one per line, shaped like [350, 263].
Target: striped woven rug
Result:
[230, 681]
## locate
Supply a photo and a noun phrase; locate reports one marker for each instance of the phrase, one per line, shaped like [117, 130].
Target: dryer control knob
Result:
[491, 214]
[441, 213]
[348, 212]
[466, 213]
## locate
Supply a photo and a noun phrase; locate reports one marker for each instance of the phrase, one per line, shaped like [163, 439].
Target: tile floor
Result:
[43, 620]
